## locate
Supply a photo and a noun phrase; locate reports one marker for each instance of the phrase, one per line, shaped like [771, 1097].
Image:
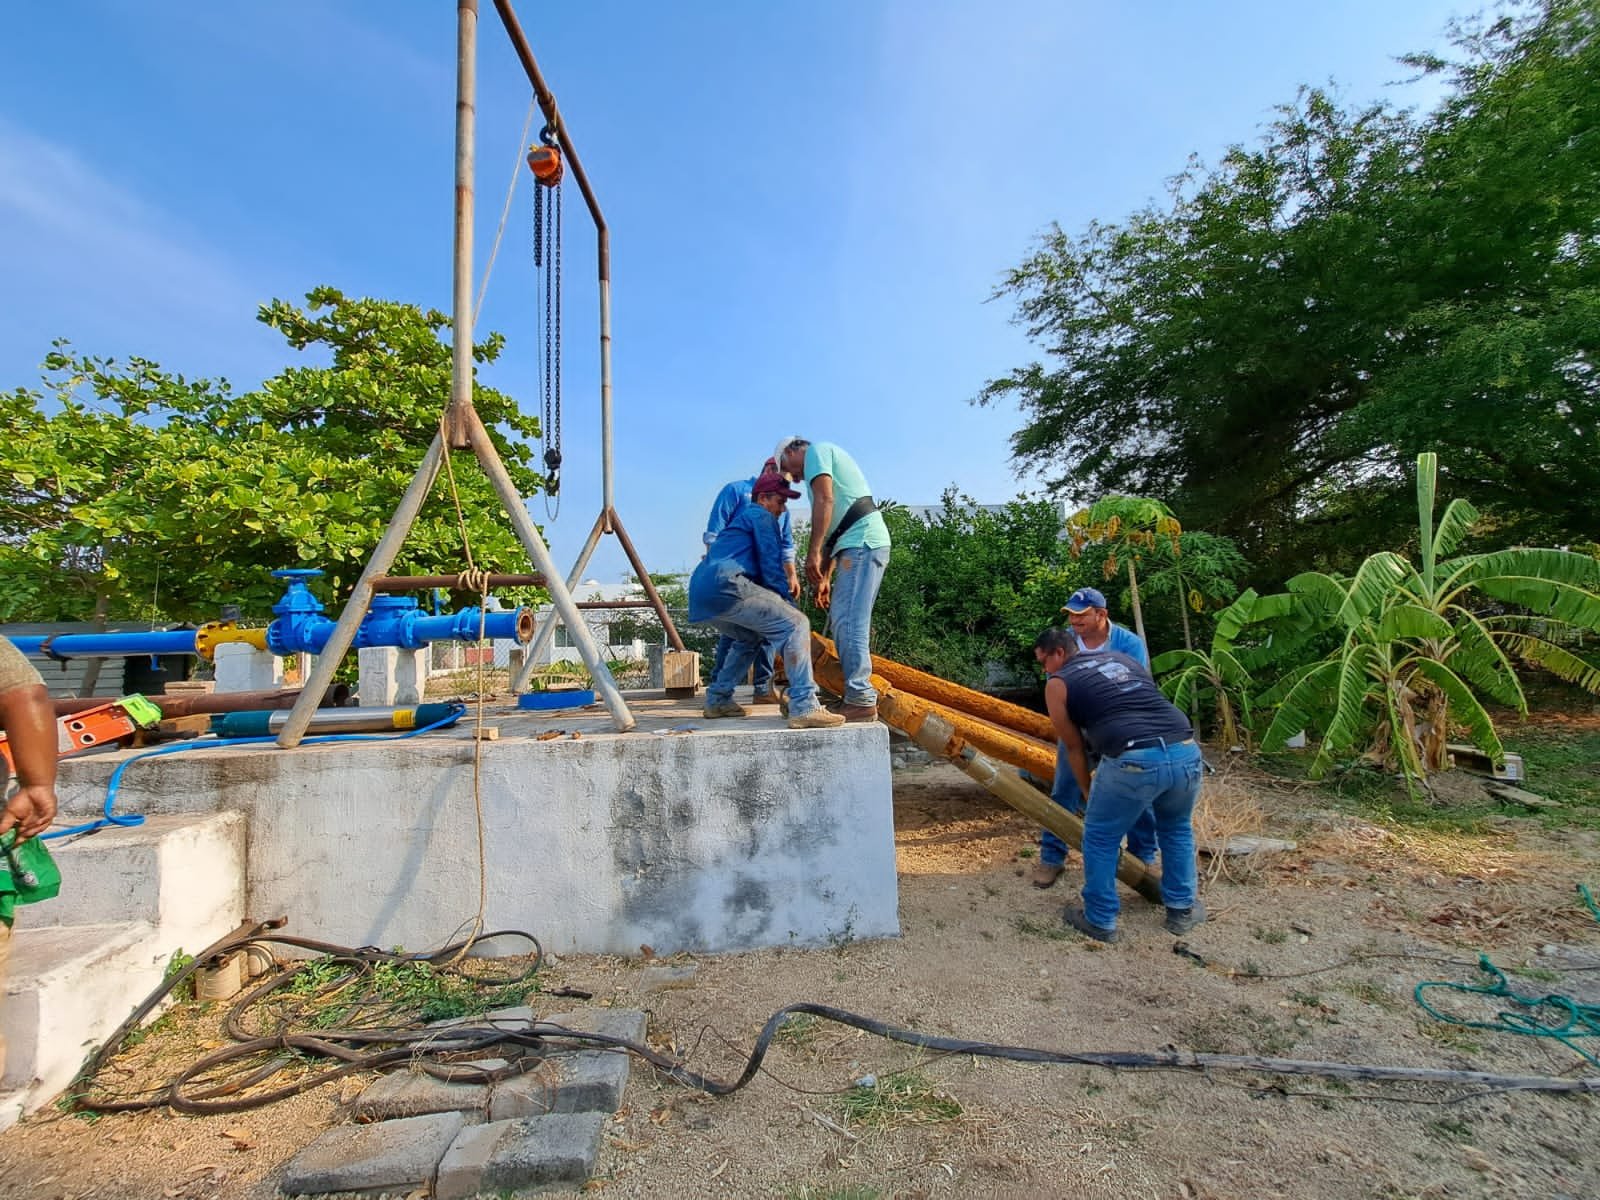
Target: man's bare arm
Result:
[821, 518]
[30, 725]
[1055, 701]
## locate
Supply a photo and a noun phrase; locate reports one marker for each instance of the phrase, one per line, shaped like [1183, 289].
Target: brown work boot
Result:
[817, 718]
[855, 712]
[765, 698]
[1046, 874]
[728, 709]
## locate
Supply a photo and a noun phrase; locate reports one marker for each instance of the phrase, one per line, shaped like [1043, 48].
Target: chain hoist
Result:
[544, 160]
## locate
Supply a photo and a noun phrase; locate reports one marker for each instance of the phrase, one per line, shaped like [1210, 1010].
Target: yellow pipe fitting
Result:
[211, 635]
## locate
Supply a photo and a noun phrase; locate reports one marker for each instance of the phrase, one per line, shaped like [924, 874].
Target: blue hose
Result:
[128, 820]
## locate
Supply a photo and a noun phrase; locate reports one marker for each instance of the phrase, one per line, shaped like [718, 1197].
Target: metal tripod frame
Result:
[463, 429]
[608, 521]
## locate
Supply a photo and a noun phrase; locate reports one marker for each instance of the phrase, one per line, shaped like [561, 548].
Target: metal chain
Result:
[558, 290]
[552, 353]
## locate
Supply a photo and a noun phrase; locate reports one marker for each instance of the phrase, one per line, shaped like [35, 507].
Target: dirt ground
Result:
[1309, 954]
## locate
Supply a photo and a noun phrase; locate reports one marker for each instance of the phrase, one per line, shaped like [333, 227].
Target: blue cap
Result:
[1084, 599]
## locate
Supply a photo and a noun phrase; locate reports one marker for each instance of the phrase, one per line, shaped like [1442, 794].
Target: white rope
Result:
[505, 213]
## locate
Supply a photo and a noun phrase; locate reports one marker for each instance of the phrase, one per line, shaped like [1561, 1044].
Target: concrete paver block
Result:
[511, 1155]
[358, 1158]
[412, 1093]
[574, 1081]
[662, 977]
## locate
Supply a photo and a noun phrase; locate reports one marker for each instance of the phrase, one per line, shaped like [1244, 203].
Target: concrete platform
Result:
[684, 834]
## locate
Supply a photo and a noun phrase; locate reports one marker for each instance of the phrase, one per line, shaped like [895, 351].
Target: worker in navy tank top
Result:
[1149, 762]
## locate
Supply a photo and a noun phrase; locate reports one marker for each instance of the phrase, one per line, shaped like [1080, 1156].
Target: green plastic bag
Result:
[27, 874]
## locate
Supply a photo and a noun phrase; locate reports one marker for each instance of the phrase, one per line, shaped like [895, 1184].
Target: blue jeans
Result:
[753, 617]
[1162, 780]
[858, 573]
[1066, 793]
[765, 657]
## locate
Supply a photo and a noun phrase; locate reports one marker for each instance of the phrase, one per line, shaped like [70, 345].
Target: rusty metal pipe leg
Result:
[547, 629]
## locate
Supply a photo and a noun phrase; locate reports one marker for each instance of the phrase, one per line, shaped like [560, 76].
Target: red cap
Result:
[773, 484]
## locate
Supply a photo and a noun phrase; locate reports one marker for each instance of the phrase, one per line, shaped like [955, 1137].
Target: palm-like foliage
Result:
[1193, 678]
[1421, 643]
[1131, 527]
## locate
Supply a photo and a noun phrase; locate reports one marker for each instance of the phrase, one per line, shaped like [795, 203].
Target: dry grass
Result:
[1227, 809]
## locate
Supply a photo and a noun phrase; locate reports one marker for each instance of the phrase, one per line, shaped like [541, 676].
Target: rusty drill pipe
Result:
[937, 736]
[213, 702]
[962, 739]
[905, 711]
[965, 700]
[424, 583]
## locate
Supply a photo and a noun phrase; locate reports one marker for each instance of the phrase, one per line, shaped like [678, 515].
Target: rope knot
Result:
[473, 579]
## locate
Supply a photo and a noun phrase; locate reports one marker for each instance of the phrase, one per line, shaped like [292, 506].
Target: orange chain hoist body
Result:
[546, 165]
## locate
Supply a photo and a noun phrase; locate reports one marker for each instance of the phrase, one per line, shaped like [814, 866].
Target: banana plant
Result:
[1421, 643]
[1190, 678]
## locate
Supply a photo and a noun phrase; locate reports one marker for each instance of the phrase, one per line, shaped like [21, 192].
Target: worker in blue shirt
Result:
[1094, 631]
[729, 501]
[741, 588]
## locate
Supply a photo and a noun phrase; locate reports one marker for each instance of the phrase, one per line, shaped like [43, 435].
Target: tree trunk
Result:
[1183, 611]
[1138, 613]
[91, 673]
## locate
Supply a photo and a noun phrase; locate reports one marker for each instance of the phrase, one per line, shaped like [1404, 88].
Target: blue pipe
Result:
[109, 645]
[299, 623]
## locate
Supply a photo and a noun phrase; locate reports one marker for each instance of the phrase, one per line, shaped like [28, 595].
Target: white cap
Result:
[777, 455]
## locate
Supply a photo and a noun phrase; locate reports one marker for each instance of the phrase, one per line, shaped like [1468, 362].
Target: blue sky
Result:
[810, 203]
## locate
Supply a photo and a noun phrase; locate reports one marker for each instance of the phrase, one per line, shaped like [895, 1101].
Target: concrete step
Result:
[183, 874]
[130, 899]
[65, 990]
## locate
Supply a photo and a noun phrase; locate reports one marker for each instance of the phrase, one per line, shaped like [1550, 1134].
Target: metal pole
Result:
[644, 578]
[423, 583]
[552, 116]
[528, 534]
[383, 556]
[466, 133]
[547, 627]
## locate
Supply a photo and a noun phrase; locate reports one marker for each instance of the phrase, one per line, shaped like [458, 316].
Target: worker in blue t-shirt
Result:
[1094, 630]
[733, 497]
[845, 562]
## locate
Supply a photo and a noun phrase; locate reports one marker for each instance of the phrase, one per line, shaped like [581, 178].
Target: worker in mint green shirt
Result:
[848, 555]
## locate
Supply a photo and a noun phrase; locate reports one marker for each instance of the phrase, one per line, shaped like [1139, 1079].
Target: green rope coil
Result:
[1549, 1016]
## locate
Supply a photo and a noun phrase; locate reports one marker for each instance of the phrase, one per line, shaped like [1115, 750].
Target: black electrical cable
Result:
[445, 1051]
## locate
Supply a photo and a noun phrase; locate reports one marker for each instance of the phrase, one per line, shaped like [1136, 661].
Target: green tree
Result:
[121, 481]
[1420, 643]
[1216, 678]
[968, 589]
[1269, 349]
[1200, 574]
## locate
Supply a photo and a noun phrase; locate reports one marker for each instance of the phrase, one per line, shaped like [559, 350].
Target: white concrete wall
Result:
[711, 841]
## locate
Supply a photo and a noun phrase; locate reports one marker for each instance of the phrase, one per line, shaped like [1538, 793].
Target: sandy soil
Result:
[1311, 955]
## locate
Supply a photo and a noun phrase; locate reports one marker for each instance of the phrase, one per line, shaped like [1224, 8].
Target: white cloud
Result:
[84, 257]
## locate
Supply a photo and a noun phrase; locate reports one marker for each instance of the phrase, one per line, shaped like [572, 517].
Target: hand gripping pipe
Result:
[390, 621]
